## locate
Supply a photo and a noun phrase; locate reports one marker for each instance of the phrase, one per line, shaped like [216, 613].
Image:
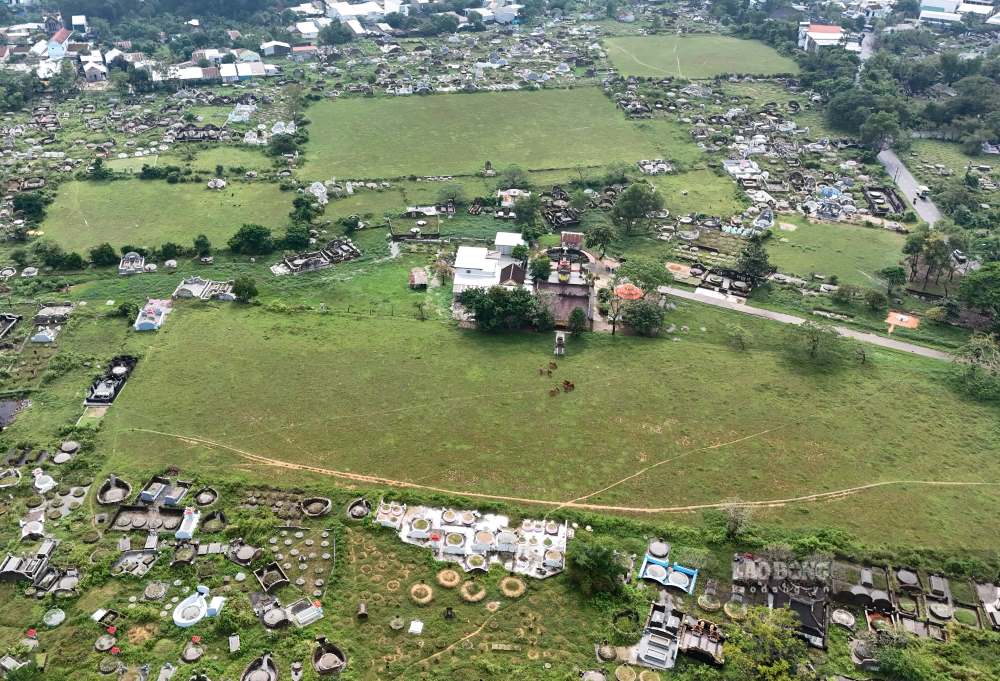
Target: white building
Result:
[474, 268]
[814, 37]
[364, 11]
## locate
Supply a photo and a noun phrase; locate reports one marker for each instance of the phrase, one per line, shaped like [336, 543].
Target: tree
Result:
[98, 172]
[601, 236]
[500, 308]
[31, 205]
[765, 646]
[880, 129]
[646, 273]
[753, 261]
[594, 567]
[981, 289]
[978, 365]
[103, 255]
[335, 33]
[202, 245]
[540, 268]
[578, 200]
[644, 317]
[737, 516]
[876, 300]
[296, 238]
[816, 344]
[634, 205]
[252, 240]
[244, 288]
[170, 250]
[72, 261]
[894, 276]
[527, 209]
[305, 209]
[453, 193]
[279, 145]
[577, 323]
[520, 252]
[513, 177]
[739, 337]
[64, 82]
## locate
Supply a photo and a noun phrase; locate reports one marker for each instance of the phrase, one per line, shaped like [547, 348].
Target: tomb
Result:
[131, 263]
[204, 289]
[475, 541]
[261, 669]
[336, 251]
[327, 658]
[105, 389]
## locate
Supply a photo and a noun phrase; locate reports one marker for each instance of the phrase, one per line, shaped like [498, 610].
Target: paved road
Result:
[908, 184]
[872, 338]
[867, 46]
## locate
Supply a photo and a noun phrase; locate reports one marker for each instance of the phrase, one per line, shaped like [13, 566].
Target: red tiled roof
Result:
[62, 35]
[824, 28]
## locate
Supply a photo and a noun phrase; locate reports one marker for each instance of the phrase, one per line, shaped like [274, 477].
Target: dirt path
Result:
[452, 646]
[377, 480]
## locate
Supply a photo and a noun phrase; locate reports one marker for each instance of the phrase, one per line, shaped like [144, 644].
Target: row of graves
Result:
[473, 540]
[764, 150]
[293, 567]
[334, 252]
[860, 598]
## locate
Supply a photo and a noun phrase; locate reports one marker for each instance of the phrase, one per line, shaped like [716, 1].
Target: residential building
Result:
[814, 37]
[59, 43]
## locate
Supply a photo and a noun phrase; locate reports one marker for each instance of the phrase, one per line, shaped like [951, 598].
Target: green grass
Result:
[456, 134]
[699, 191]
[693, 57]
[424, 402]
[149, 213]
[925, 152]
[851, 252]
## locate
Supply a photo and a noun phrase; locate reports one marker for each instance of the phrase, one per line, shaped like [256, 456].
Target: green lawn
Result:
[851, 252]
[694, 56]
[149, 213]
[456, 134]
[926, 153]
[426, 403]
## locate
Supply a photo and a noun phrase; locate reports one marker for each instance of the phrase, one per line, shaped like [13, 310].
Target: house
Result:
[474, 269]
[301, 53]
[152, 315]
[366, 11]
[507, 14]
[79, 23]
[275, 48]
[95, 73]
[506, 242]
[512, 276]
[940, 11]
[244, 56]
[813, 37]
[307, 30]
[58, 44]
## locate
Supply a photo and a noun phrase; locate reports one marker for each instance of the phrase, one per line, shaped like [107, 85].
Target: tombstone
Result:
[449, 613]
[362, 613]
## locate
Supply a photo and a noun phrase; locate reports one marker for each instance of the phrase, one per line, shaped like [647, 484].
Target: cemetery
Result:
[365, 473]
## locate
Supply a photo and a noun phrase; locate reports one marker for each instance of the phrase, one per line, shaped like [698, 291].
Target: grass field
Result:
[425, 403]
[456, 134]
[938, 152]
[693, 57]
[853, 253]
[149, 213]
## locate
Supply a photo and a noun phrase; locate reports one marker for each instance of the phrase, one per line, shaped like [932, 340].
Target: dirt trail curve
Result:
[378, 480]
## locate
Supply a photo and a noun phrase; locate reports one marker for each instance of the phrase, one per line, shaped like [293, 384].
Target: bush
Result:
[644, 317]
